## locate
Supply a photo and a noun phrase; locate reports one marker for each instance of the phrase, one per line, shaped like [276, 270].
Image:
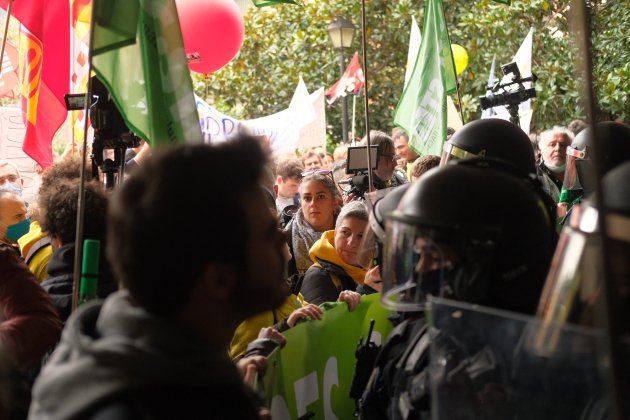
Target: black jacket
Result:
[318, 286]
[60, 279]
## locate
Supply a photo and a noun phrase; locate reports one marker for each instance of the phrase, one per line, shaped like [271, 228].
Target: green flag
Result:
[263, 3]
[138, 53]
[421, 111]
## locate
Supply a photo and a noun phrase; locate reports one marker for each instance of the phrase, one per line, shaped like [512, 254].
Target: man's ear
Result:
[279, 180]
[219, 280]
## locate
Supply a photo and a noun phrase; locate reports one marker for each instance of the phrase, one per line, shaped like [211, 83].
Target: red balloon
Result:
[213, 32]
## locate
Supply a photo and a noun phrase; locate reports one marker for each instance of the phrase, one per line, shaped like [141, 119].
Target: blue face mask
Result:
[18, 230]
[13, 187]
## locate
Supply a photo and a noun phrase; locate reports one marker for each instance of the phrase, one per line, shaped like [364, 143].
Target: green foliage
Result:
[284, 41]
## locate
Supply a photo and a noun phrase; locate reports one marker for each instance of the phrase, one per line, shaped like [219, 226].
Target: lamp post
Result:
[341, 31]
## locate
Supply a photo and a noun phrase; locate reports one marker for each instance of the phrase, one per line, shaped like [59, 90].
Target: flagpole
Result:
[459, 98]
[4, 37]
[78, 246]
[461, 112]
[354, 114]
[367, 95]
[609, 347]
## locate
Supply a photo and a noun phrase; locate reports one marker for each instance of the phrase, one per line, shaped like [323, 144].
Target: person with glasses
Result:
[319, 205]
[385, 175]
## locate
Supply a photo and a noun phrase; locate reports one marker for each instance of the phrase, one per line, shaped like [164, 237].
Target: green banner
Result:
[421, 111]
[263, 3]
[139, 55]
[314, 371]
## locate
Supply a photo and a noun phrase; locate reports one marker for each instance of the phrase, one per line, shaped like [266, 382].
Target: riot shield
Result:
[488, 364]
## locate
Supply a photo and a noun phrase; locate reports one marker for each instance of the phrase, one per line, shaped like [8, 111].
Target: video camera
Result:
[510, 91]
[356, 164]
[110, 131]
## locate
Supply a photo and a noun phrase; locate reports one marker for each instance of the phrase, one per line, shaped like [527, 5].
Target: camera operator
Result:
[385, 175]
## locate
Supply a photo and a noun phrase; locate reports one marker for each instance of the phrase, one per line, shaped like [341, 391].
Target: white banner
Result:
[302, 124]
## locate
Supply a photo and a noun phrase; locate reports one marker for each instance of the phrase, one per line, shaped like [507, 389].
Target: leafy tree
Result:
[285, 41]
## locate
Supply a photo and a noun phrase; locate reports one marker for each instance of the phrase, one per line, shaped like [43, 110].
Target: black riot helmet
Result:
[615, 144]
[467, 233]
[493, 138]
[573, 287]
[371, 248]
[617, 190]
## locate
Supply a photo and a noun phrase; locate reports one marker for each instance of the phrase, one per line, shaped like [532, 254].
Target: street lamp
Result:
[341, 31]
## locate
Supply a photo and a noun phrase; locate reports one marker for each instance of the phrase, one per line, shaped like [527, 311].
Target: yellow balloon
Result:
[460, 56]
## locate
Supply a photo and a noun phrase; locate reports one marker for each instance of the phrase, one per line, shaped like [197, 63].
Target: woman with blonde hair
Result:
[319, 206]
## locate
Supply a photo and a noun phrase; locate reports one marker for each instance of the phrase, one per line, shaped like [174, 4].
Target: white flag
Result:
[489, 112]
[415, 39]
[523, 59]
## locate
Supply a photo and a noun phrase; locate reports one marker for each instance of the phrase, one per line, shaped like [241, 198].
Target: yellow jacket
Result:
[323, 251]
[36, 250]
[248, 330]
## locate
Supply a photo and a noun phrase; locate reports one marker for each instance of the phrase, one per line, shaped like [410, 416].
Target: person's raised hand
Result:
[351, 298]
[273, 334]
[308, 311]
[252, 367]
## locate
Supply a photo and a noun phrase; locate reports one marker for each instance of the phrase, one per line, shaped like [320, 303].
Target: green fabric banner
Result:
[138, 53]
[263, 3]
[421, 111]
[313, 373]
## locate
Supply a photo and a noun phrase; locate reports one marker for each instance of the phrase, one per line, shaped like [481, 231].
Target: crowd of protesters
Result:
[195, 276]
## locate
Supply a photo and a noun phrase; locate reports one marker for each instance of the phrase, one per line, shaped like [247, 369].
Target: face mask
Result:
[18, 230]
[554, 168]
[13, 187]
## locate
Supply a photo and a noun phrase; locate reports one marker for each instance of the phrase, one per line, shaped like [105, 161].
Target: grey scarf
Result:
[303, 236]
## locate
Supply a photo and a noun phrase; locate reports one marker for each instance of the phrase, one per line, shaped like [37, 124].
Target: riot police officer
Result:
[466, 232]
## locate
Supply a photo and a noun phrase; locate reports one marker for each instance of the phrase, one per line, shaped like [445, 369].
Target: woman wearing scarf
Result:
[319, 204]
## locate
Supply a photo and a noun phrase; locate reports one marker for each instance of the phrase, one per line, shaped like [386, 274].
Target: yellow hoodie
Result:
[248, 330]
[324, 250]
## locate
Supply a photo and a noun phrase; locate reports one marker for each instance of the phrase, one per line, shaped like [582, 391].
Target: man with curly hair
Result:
[58, 208]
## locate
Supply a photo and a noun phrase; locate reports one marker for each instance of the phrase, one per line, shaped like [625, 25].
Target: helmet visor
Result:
[368, 249]
[368, 254]
[452, 152]
[415, 266]
[574, 284]
[571, 179]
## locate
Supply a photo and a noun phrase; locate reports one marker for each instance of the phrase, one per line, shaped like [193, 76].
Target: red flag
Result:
[45, 71]
[351, 81]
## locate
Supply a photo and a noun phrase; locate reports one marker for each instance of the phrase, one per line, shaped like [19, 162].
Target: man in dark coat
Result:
[157, 348]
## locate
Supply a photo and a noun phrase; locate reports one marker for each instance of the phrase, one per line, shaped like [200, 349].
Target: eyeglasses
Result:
[324, 172]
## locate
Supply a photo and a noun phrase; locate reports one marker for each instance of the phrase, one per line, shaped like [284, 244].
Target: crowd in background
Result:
[317, 221]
